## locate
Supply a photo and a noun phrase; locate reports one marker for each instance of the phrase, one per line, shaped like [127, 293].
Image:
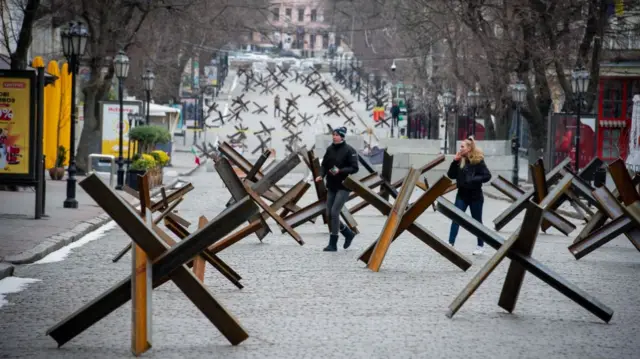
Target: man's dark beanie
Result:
[341, 131]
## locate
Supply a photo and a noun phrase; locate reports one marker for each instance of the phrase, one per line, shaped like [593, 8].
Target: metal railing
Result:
[111, 159]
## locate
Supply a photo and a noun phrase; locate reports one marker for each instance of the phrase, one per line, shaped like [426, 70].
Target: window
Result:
[276, 14]
[287, 13]
[312, 41]
[610, 143]
[612, 99]
[300, 15]
[325, 41]
[314, 15]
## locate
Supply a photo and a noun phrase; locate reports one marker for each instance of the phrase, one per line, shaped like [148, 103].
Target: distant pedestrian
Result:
[339, 161]
[470, 172]
[276, 106]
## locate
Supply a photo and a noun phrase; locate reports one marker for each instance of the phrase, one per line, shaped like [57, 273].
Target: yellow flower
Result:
[161, 157]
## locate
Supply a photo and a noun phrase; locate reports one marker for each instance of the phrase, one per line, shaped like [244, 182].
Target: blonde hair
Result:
[475, 154]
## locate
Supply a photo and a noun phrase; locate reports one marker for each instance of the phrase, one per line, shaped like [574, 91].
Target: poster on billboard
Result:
[17, 126]
[189, 112]
[211, 74]
[187, 80]
[110, 115]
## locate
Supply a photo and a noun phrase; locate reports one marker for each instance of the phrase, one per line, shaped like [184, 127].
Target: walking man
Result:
[276, 106]
[338, 162]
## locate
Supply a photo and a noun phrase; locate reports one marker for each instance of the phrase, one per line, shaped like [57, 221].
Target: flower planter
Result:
[132, 178]
[56, 173]
[155, 177]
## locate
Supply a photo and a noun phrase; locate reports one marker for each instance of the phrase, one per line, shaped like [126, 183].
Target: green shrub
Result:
[61, 156]
[148, 136]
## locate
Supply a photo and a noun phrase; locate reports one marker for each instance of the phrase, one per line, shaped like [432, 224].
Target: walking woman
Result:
[470, 172]
[338, 162]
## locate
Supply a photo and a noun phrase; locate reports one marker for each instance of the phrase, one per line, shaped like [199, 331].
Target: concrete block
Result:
[397, 145]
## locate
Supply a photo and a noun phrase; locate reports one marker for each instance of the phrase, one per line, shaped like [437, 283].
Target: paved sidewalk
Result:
[25, 240]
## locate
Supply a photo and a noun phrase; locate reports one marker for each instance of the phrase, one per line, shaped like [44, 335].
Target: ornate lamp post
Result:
[474, 100]
[518, 95]
[579, 84]
[74, 42]
[121, 65]
[148, 80]
[448, 100]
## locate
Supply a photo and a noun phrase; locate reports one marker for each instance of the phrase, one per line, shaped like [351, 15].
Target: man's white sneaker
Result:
[451, 244]
[478, 251]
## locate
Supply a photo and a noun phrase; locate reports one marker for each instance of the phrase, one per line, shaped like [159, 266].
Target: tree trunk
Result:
[91, 137]
[19, 57]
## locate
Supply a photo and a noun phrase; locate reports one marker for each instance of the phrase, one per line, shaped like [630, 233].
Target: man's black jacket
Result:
[469, 179]
[345, 158]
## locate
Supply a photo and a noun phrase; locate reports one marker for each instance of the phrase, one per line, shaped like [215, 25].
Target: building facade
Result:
[299, 26]
[619, 82]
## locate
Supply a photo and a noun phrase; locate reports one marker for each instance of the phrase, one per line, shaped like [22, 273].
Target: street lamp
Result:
[518, 95]
[448, 101]
[474, 100]
[121, 65]
[579, 84]
[148, 80]
[74, 42]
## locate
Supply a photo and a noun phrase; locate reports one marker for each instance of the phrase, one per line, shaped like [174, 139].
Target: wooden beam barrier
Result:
[253, 226]
[622, 221]
[399, 182]
[521, 256]
[168, 264]
[408, 221]
[141, 279]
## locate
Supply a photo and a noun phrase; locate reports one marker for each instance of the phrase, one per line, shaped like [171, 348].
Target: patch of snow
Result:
[13, 285]
[63, 252]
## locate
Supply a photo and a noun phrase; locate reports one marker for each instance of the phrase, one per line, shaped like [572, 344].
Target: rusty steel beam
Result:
[253, 226]
[520, 204]
[620, 224]
[321, 189]
[386, 173]
[398, 183]
[600, 217]
[414, 228]
[301, 188]
[417, 208]
[507, 188]
[236, 188]
[178, 193]
[243, 164]
[530, 264]
[167, 265]
[258, 165]
[207, 255]
[623, 182]
[272, 213]
[392, 224]
[521, 239]
[275, 174]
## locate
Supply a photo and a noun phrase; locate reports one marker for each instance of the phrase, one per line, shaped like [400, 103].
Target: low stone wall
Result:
[492, 148]
[416, 153]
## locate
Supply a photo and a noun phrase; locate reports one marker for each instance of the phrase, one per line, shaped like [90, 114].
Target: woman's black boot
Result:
[348, 236]
[333, 243]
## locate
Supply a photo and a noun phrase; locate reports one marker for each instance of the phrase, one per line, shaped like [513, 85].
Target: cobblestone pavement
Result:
[299, 302]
